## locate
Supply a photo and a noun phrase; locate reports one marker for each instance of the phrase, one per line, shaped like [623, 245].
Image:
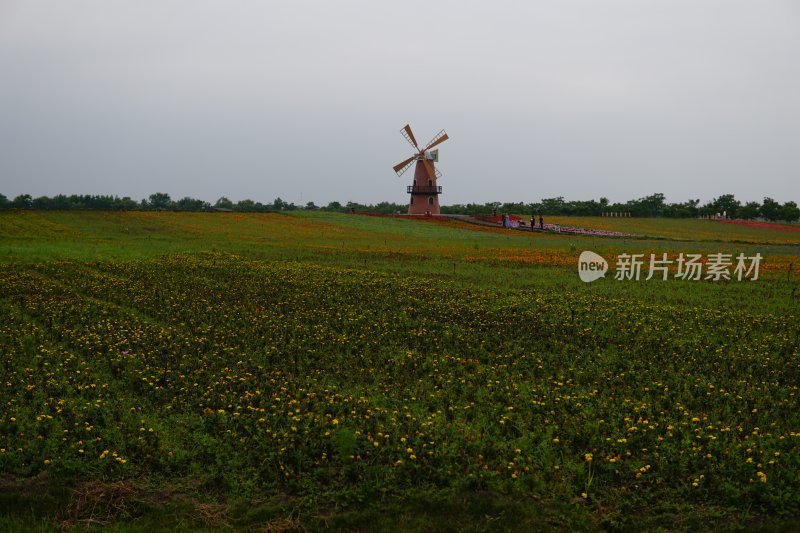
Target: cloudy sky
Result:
[304, 99]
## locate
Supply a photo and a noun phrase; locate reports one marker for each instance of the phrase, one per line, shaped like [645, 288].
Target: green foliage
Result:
[725, 204]
[160, 200]
[385, 208]
[654, 205]
[770, 209]
[191, 204]
[282, 205]
[749, 211]
[23, 201]
[223, 203]
[790, 212]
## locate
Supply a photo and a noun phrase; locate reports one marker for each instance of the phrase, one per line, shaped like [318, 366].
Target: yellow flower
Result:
[588, 457]
[762, 477]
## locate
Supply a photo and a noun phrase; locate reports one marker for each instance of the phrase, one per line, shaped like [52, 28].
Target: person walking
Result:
[541, 222]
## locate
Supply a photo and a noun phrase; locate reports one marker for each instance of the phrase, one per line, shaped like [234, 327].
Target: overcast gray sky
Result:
[304, 99]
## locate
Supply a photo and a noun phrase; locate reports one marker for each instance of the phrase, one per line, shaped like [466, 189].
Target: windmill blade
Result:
[429, 169]
[406, 132]
[438, 174]
[402, 167]
[439, 139]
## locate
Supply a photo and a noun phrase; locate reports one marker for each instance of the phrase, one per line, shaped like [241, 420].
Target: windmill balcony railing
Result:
[424, 189]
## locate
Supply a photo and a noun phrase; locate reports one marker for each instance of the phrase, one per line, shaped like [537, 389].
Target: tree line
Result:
[654, 205]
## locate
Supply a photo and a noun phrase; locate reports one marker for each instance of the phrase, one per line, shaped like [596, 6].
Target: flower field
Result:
[348, 380]
[753, 223]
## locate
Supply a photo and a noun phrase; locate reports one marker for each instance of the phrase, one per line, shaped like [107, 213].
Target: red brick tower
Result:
[424, 191]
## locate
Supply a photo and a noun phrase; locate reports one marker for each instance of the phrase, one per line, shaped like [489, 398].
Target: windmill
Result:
[424, 192]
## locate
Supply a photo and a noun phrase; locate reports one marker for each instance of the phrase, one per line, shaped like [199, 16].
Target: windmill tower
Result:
[424, 191]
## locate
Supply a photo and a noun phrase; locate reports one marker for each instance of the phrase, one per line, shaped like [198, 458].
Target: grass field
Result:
[684, 229]
[315, 370]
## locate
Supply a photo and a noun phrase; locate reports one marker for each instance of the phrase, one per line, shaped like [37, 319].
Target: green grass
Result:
[685, 229]
[240, 369]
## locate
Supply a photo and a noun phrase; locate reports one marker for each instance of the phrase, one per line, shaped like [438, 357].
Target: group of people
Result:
[507, 223]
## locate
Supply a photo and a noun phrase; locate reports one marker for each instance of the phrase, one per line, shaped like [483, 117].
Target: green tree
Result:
[23, 201]
[386, 208]
[687, 209]
[245, 205]
[649, 206]
[770, 209]
[43, 202]
[726, 204]
[750, 210]
[790, 212]
[160, 200]
[191, 204]
[223, 203]
[553, 206]
[126, 203]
